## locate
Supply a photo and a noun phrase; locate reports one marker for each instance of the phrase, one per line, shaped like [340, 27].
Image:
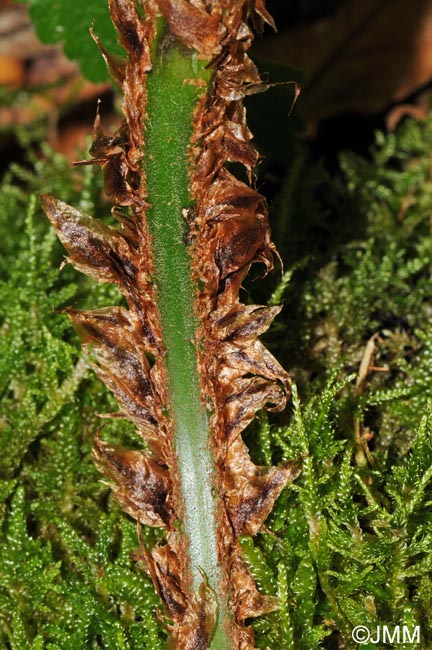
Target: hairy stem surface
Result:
[171, 101]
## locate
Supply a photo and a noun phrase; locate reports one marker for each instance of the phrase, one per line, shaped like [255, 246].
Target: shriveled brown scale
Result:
[197, 626]
[163, 565]
[194, 26]
[260, 9]
[245, 323]
[251, 490]
[251, 602]
[231, 355]
[87, 241]
[228, 231]
[115, 64]
[141, 486]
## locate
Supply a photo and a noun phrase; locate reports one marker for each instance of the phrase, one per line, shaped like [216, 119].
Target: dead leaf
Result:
[419, 111]
[370, 54]
[17, 35]
[45, 84]
[12, 71]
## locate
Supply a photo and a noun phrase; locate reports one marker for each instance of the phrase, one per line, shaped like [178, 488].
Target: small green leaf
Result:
[68, 23]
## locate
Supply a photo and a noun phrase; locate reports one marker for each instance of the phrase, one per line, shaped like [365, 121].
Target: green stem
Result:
[171, 101]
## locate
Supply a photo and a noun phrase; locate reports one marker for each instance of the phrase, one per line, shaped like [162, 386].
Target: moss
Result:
[349, 543]
[67, 577]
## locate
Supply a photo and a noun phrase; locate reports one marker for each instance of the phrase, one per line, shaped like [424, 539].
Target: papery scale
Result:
[229, 232]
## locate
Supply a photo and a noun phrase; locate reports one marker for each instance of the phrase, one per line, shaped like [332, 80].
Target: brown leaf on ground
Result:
[419, 110]
[17, 36]
[12, 71]
[42, 84]
[370, 54]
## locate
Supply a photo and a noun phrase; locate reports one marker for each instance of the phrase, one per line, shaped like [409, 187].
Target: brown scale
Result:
[236, 370]
[228, 231]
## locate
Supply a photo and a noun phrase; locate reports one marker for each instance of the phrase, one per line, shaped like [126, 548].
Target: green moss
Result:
[354, 537]
[67, 578]
[349, 543]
